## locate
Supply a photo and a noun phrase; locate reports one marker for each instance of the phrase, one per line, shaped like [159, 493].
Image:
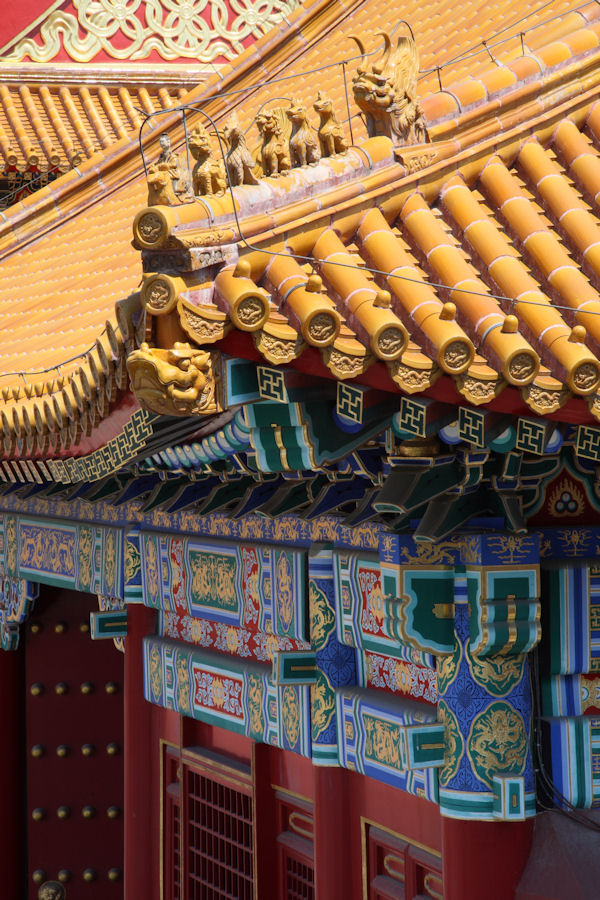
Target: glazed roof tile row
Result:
[68, 123]
[63, 271]
[492, 280]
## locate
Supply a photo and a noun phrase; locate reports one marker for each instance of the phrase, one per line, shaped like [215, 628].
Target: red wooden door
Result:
[74, 741]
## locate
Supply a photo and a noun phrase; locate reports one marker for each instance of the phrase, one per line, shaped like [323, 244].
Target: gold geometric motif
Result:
[116, 453]
[151, 569]
[213, 580]
[497, 674]
[497, 742]
[11, 544]
[133, 29]
[110, 559]
[566, 499]
[132, 560]
[349, 402]
[455, 746]
[510, 549]
[290, 712]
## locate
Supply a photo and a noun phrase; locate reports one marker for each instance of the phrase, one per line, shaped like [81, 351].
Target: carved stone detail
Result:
[208, 174]
[150, 227]
[321, 328]
[479, 390]
[240, 164]
[585, 377]
[410, 379]
[274, 129]
[179, 382]
[390, 342]
[456, 354]
[344, 365]
[250, 311]
[275, 349]
[546, 400]
[198, 327]
[303, 145]
[387, 93]
[331, 133]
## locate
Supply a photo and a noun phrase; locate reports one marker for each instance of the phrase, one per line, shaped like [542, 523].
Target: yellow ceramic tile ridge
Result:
[35, 119]
[508, 349]
[311, 312]
[377, 325]
[146, 102]
[14, 120]
[419, 307]
[135, 120]
[94, 118]
[5, 145]
[246, 304]
[56, 121]
[568, 75]
[75, 119]
[113, 116]
[564, 204]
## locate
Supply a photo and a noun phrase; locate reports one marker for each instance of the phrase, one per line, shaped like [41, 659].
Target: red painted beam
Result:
[509, 401]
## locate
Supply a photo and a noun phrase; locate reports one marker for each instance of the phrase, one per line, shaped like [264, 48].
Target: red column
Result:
[332, 820]
[12, 755]
[484, 859]
[141, 868]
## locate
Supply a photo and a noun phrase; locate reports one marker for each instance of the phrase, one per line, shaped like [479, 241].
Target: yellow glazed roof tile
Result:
[67, 258]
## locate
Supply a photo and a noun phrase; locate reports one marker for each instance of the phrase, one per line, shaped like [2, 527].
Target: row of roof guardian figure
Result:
[385, 92]
[287, 141]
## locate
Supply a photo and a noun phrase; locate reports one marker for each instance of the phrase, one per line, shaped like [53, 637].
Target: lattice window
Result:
[399, 870]
[296, 852]
[299, 879]
[219, 859]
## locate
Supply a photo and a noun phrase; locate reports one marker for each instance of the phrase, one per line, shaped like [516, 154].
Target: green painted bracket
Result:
[294, 667]
[108, 625]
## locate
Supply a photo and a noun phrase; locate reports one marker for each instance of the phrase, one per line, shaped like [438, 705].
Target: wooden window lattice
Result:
[219, 840]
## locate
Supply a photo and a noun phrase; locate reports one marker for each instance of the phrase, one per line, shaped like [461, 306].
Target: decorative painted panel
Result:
[84, 557]
[505, 609]
[336, 662]
[224, 691]
[571, 695]
[485, 705]
[363, 614]
[132, 564]
[258, 645]
[373, 739]
[243, 585]
[397, 676]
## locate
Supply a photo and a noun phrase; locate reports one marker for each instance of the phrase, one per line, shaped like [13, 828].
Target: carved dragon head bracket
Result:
[386, 92]
[178, 381]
